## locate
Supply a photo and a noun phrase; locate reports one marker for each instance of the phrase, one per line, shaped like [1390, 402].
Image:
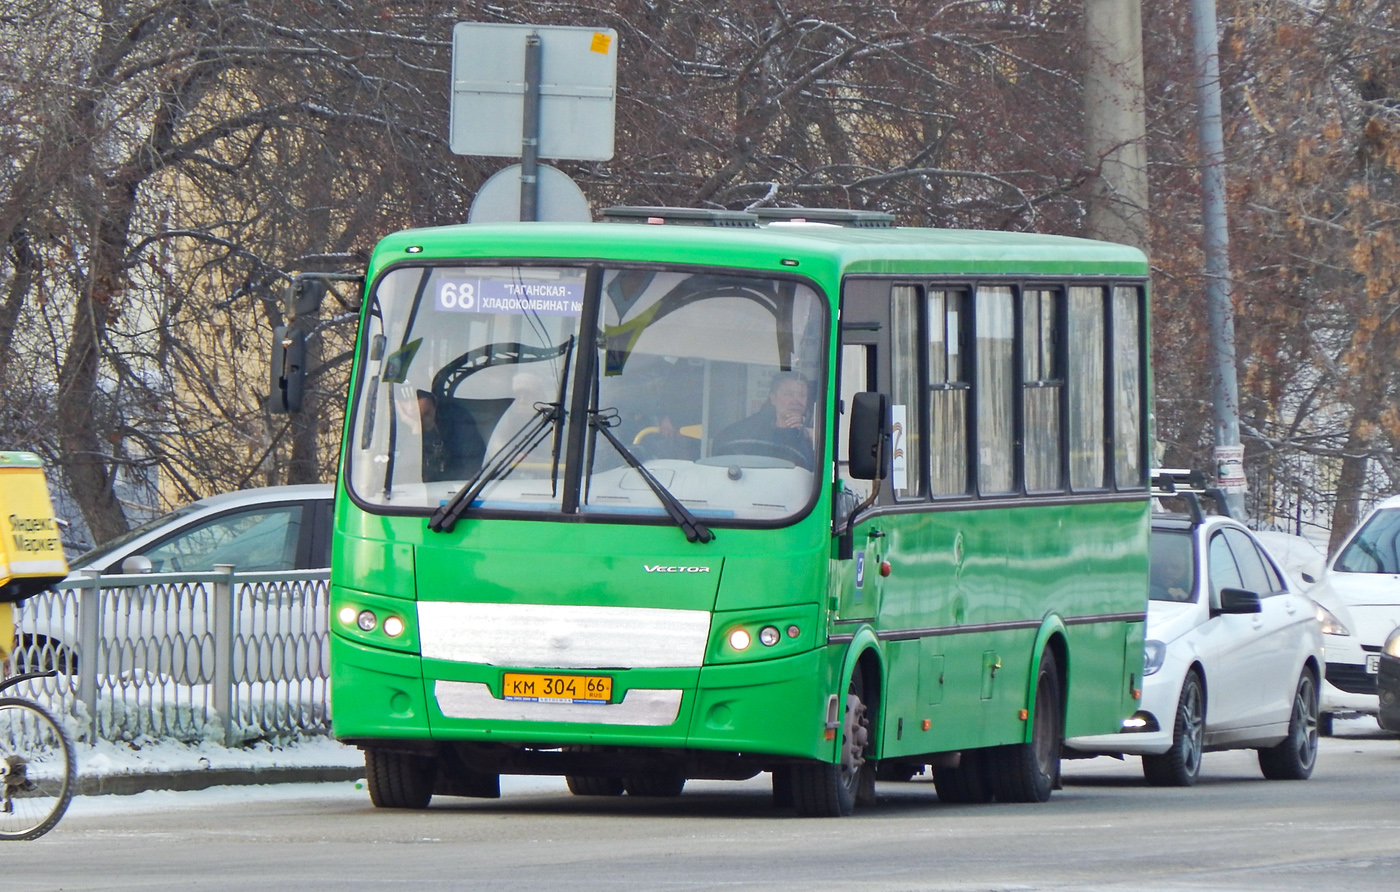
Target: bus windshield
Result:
[712, 381]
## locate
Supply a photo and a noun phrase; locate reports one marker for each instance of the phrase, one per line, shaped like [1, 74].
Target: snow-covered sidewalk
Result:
[166, 765]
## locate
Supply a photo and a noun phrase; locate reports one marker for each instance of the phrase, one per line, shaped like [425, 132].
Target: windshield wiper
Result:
[695, 531]
[501, 462]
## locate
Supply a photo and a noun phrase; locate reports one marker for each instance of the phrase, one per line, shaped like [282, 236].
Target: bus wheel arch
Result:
[822, 789]
[1029, 771]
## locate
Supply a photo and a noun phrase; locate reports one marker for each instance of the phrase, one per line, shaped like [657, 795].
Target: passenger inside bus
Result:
[452, 446]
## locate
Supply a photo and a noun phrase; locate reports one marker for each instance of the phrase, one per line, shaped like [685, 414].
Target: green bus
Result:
[702, 494]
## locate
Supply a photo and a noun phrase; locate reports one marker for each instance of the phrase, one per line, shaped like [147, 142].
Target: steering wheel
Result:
[766, 447]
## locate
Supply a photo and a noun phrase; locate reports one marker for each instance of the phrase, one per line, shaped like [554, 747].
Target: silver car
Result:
[271, 529]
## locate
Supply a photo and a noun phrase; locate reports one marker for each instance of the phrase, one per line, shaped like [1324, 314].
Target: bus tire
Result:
[661, 785]
[1028, 772]
[592, 785]
[1294, 758]
[966, 784]
[399, 780]
[830, 789]
[782, 787]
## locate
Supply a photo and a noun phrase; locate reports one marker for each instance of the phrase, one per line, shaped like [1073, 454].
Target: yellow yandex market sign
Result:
[31, 550]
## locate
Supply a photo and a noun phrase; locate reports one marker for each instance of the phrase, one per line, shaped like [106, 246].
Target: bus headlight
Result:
[366, 620]
[348, 614]
[739, 639]
[393, 627]
[769, 636]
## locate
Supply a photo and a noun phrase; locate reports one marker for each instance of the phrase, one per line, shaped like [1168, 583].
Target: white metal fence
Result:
[223, 656]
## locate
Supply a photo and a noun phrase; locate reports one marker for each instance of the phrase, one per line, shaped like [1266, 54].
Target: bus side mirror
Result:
[288, 369]
[869, 446]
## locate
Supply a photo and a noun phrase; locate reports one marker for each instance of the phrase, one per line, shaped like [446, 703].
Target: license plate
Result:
[556, 688]
[1373, 664]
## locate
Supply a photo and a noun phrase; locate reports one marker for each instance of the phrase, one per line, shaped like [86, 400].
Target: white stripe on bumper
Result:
[562, 636]
[472, 700]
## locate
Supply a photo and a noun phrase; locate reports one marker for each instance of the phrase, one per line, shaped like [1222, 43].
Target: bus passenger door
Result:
[864, 331]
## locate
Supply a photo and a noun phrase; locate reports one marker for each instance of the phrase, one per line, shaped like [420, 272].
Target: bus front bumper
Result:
[770, 707]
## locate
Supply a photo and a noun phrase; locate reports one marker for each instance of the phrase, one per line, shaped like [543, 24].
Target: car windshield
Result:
[1172, 567]
[1376, 546]
[99, 554]
[712, 381]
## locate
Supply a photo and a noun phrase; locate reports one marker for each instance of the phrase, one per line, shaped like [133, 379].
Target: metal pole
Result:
[91, 664]
[1229, 454]
[530, 136]
[222, 609]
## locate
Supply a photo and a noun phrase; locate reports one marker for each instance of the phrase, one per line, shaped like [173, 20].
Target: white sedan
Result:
[1233, 658]
[1360, 596]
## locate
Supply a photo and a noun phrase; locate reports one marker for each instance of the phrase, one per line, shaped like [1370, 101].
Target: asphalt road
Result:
[1105, 830]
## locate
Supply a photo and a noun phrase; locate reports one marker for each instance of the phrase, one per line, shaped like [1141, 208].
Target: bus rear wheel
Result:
[399, 780]
[592, 785]
[1028, 772]
[654, 785]
[968, 783]
[830, 790]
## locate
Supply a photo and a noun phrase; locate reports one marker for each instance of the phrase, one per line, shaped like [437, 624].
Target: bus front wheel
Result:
[399, 780]
[830, 790]
[1027, 772]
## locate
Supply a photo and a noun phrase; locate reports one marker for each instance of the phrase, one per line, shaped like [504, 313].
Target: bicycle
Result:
[38, 770]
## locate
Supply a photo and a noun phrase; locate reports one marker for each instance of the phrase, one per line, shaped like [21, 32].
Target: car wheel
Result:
[1294, 758]
[1179, 766]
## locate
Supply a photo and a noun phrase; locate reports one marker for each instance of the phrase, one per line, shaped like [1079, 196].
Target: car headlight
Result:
[1392, 644]
[1330, 624]
[1153, 654]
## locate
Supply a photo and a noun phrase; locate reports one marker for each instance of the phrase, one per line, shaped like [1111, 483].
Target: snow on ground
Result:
[106, 758]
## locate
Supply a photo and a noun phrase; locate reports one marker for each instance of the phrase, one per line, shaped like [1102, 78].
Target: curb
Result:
[203, 779]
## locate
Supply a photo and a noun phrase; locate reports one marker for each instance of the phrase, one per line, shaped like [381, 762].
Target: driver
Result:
[780, 429]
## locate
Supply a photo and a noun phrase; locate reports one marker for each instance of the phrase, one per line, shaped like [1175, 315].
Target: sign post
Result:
[532, 92]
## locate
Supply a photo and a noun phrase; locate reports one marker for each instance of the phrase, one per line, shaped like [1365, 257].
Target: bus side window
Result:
[1087, 462]
[948, 392]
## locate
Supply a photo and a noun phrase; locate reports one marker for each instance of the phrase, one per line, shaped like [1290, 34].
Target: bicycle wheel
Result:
[37, 770]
